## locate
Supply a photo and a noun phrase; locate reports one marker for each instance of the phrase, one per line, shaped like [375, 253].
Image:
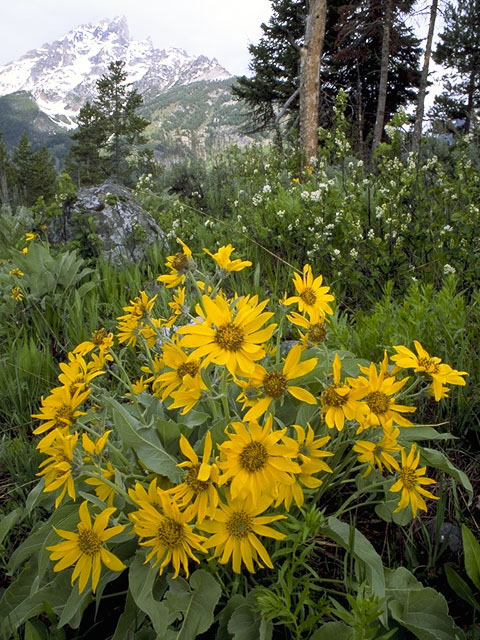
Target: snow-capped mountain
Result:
[62, 75]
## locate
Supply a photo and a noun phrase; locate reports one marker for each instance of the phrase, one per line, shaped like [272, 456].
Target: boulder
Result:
[106, 220]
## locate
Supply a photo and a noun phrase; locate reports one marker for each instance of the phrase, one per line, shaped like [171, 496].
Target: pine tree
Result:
[459, 49]
[351, 61]
[23, 166]
[84, 161]
[34, 173]
[109, 130]
[7, 174]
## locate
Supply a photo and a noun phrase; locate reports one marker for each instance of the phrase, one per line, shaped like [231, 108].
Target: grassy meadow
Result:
[313, 420]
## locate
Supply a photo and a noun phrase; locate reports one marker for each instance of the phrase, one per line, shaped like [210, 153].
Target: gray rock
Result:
[107, 220]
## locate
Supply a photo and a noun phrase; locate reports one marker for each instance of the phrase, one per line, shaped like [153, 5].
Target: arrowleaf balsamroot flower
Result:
[410, 481]
[230, 334]
[168, 533]
[179, 264]
[235, 527]
[198, 488]
[254, 461]
[273, 385]
[340, 401]
[57, 468]
[60, 409]
[222, 258]
[379, 399]
[379, 453]
[440, 373]
[85, 548]
[311, 297]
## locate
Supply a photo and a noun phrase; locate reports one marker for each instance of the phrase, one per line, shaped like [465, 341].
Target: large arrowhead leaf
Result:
[141, 579]
[421, 610]
[196, 603]
[144, 440]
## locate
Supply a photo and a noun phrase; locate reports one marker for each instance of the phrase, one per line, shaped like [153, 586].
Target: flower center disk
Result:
[253, 457]
[89, 542]
[196, 485]
[170, 533]
[275, 384]
[378, 402]
[229, 337]
[308, 296]
[333, 399]
[187, 368]
[240, 524]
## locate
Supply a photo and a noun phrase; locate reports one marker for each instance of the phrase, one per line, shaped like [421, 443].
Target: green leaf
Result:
[35, 630]
[414, 434]
[75, 605]
[362, 550]
[333, 631]
[471, 549]
[438, 460]
[8, 522]
[421, 610]
[224, 618]
[460, 587]
[145, 442]
[386, 511]
[141, 580]
[247, 623]
[129, 620]
[196, 604]
[194, 418]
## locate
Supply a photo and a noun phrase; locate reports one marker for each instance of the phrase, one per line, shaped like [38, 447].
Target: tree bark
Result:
[310, 57]
[382, 89]
[422, 90]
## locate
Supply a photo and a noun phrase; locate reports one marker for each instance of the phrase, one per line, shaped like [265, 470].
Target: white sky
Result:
[220, 29]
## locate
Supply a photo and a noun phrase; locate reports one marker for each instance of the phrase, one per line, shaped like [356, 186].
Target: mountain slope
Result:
[62, 75]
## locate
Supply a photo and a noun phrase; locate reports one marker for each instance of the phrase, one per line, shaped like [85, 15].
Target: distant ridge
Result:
[62, 75]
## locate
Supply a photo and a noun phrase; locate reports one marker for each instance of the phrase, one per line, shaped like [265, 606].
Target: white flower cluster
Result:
[447, 268]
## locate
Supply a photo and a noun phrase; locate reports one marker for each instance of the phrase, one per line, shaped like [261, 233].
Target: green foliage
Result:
[109, 130]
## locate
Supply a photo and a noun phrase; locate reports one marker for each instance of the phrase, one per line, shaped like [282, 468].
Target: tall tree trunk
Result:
[382, 89]
[422, 90]
[310, 57]
[471, 89]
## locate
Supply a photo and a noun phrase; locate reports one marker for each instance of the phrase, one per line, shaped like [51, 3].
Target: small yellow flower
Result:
[235, 527]
[85, 548]
[198, 488]
[30, 236]
[17, 293]
[16, 272]
[273, 385]
[410, 483]
[57, 468]
[254, 462]
[440, 373]
[179, 264]
[168, 534]
[340, 401]
[25, 250]
[312, 298]
[222, 258]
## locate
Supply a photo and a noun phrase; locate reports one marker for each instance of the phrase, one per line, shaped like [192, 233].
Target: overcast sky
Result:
[220, 29]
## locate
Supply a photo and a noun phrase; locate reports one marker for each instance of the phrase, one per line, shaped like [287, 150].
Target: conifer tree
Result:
[354, 36]
[109, 130]
[459, 49]
[7, 174]
[84, 161]
[34, 173]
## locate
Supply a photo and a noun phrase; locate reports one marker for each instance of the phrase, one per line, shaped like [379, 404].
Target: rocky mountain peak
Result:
[62, 75]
